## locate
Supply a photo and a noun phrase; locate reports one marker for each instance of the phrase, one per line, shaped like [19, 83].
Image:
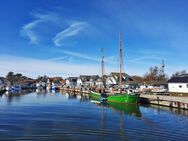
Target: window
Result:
[180, 86]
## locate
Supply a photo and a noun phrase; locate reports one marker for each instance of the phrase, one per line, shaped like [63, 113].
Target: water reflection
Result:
[44, 115]
[128, 109]
[15, 95]
[160, 109]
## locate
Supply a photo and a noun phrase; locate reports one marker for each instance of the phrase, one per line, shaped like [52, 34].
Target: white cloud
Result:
[34, 67]
[52, 67]
[145, 58]
[80, 55]
[29, 30]
[72, 30]
[107, 59]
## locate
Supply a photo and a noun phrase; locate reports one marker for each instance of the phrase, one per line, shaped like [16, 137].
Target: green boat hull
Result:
[95, 95]
[123, 98]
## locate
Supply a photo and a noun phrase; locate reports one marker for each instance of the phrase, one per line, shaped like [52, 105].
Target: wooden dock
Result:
[75, 90]
[163, 100]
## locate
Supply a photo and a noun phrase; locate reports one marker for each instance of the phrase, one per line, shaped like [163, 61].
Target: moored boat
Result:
[122, 97]
[98, 96]
[95, 95]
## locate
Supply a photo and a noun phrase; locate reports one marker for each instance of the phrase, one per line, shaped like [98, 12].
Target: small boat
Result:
[49, 87]
[54, 86]
[17, 88]
[122, 97]
[98, 96]
[95, 95]
[8, 88]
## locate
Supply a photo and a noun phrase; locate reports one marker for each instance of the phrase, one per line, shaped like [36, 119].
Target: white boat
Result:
[8, 88]
[49, 87]
[54, 86]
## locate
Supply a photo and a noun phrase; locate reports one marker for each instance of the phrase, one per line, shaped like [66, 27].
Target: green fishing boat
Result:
[95, 95]
[122, 97]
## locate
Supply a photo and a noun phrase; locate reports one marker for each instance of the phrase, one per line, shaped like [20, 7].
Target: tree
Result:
[138, 79]
[10, 77]
[178, 73]
[155, 75]
[42, 78]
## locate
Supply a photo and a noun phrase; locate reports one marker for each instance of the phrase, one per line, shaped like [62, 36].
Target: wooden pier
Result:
[75, 90]
[163, 100]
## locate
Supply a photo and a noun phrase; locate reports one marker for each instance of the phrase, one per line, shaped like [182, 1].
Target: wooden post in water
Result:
[158, 100]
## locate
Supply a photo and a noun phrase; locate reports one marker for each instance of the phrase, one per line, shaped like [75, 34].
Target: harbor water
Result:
[42, 115]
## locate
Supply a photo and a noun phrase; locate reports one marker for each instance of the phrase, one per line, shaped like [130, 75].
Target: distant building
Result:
[99, 83]
[93, 80]
[178, 84]
[114, 78]
[1, 83]
[40, 84]
[87, 80]
[146, 87]
[4, 82]
[71, 81]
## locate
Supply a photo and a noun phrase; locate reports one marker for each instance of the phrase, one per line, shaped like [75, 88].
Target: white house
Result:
[178, 84]
[83, 80]
[93, 80]
[113, 78]
[99, 83]
[40, 84]
[87, 80]
[71, 81]
[1, 84]
[145, 87]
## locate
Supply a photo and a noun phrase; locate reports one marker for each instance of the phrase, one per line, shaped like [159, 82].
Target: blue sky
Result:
[65, 37]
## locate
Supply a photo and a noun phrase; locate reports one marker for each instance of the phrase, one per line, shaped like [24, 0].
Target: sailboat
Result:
[122, 97]
[100, 95]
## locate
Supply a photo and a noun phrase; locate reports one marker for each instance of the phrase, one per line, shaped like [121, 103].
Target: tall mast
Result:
[120, 60]
[102, 63]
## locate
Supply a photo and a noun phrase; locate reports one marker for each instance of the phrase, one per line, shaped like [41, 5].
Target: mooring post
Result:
[158, 100]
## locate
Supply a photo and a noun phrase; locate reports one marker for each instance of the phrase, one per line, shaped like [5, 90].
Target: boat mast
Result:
[120, 60]
[102, 63]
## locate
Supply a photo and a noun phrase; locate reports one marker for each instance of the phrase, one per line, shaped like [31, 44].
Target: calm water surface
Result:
[59, 116]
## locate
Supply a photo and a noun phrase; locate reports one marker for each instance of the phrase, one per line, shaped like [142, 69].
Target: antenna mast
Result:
[102, 63]
[120, 60]
[162, 67]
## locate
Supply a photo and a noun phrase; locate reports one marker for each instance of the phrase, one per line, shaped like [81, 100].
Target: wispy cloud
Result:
[145, 58]
[50, 67]
[29, 30]
[73, 29]
[66, 59]
[80, 55]
[107, 59]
